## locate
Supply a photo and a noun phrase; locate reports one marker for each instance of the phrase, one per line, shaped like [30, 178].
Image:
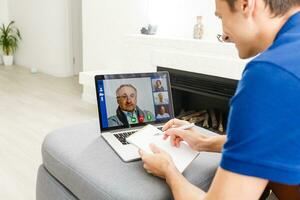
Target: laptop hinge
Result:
[129, 129]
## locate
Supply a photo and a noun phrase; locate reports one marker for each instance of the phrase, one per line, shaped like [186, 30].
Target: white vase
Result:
[198, 28]
[8, 60]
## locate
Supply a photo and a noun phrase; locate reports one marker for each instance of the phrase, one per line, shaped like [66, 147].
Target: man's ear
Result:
[246, 7]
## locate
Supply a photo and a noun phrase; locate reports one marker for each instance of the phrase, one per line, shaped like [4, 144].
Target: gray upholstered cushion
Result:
[48, 188]
[82, 161]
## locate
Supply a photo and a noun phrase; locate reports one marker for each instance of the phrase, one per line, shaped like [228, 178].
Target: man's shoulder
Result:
[114, 121]
[262, 79]
[284, 54]
[113, 117]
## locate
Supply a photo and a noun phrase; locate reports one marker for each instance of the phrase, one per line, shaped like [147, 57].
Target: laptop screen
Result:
[127, 100]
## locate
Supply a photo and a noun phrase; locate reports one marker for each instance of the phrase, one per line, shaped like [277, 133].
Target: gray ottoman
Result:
[78, 164]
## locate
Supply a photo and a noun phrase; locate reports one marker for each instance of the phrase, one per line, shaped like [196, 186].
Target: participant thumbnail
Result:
[159, 85]
[162, 112]
[161, 98]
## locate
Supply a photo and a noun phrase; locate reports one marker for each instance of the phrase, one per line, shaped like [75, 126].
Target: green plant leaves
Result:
[9, 38]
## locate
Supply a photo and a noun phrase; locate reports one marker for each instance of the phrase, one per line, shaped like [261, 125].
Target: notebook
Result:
[181, 156]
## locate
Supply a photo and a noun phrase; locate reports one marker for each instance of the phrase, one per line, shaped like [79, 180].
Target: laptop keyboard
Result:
[122, 136]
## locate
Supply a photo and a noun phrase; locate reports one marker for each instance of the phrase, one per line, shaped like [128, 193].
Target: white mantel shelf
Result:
[214, 48]
[200, 56]
[143, 53]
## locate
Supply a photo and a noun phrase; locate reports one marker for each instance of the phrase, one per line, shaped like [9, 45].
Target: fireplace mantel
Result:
[202, 56]
[144, 53]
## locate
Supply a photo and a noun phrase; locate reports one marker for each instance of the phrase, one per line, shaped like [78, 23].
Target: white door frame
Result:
[75, 24]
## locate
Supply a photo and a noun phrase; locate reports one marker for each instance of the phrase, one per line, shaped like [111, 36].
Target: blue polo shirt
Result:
[264, 120]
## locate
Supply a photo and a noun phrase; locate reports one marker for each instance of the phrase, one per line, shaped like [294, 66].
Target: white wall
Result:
[105, 23]
[3, 11]
[45, 28]
[177, 18]
[3, 16]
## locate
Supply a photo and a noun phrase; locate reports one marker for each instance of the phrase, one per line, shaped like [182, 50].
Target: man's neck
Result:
[271, 27]
[132, 112]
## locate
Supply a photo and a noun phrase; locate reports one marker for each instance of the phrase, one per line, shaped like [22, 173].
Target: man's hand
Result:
[159, 163]
[192, 136]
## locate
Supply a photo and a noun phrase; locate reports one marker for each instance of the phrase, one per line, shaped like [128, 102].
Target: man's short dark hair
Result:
[277, 7]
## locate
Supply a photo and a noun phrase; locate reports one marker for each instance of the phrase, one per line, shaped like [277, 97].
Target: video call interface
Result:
[131, 101]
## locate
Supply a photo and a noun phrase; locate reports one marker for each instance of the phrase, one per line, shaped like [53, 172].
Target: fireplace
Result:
[201, 99]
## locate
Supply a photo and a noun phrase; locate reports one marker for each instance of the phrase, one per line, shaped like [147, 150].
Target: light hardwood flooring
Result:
[31, 106]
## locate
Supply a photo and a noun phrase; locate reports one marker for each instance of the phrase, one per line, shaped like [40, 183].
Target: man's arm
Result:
[182, 188]
[226, 185]
[215, 143]
[231, 186]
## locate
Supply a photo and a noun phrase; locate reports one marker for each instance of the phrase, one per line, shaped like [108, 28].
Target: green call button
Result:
[133, 120]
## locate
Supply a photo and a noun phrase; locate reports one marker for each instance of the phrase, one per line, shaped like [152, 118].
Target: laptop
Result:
[128, 102]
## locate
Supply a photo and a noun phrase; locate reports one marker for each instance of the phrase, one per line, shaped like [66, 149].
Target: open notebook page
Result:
[182, 156]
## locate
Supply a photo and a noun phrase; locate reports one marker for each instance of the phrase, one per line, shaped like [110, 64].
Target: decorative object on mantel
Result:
[33, 70]
[9, 39]
[150, 30]
[198, 28]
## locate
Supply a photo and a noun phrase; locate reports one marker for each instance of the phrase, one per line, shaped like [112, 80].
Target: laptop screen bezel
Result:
[133, 75]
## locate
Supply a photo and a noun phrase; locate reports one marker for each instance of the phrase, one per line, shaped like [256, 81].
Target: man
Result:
[263, 141]
[128, 112]
[158, 86]
[161, 99]
[162, 113]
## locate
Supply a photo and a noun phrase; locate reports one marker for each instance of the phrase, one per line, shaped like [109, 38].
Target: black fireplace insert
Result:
[200, 98]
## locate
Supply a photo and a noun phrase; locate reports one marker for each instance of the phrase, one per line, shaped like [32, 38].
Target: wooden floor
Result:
[32, 105]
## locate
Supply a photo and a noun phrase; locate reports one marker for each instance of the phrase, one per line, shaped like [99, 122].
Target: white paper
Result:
[181, 156]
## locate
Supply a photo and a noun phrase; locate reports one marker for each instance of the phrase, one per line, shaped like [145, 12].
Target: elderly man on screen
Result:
[128, 112]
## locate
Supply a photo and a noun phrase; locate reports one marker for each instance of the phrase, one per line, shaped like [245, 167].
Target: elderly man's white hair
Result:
[125, 85]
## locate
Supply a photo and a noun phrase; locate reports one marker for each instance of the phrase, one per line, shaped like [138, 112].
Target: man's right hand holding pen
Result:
[192, 136]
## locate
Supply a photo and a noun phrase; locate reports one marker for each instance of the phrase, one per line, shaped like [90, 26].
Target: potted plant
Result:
[9, 39]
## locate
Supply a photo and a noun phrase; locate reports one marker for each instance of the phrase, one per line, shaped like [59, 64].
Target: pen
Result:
[187, 126]
[184, 127]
